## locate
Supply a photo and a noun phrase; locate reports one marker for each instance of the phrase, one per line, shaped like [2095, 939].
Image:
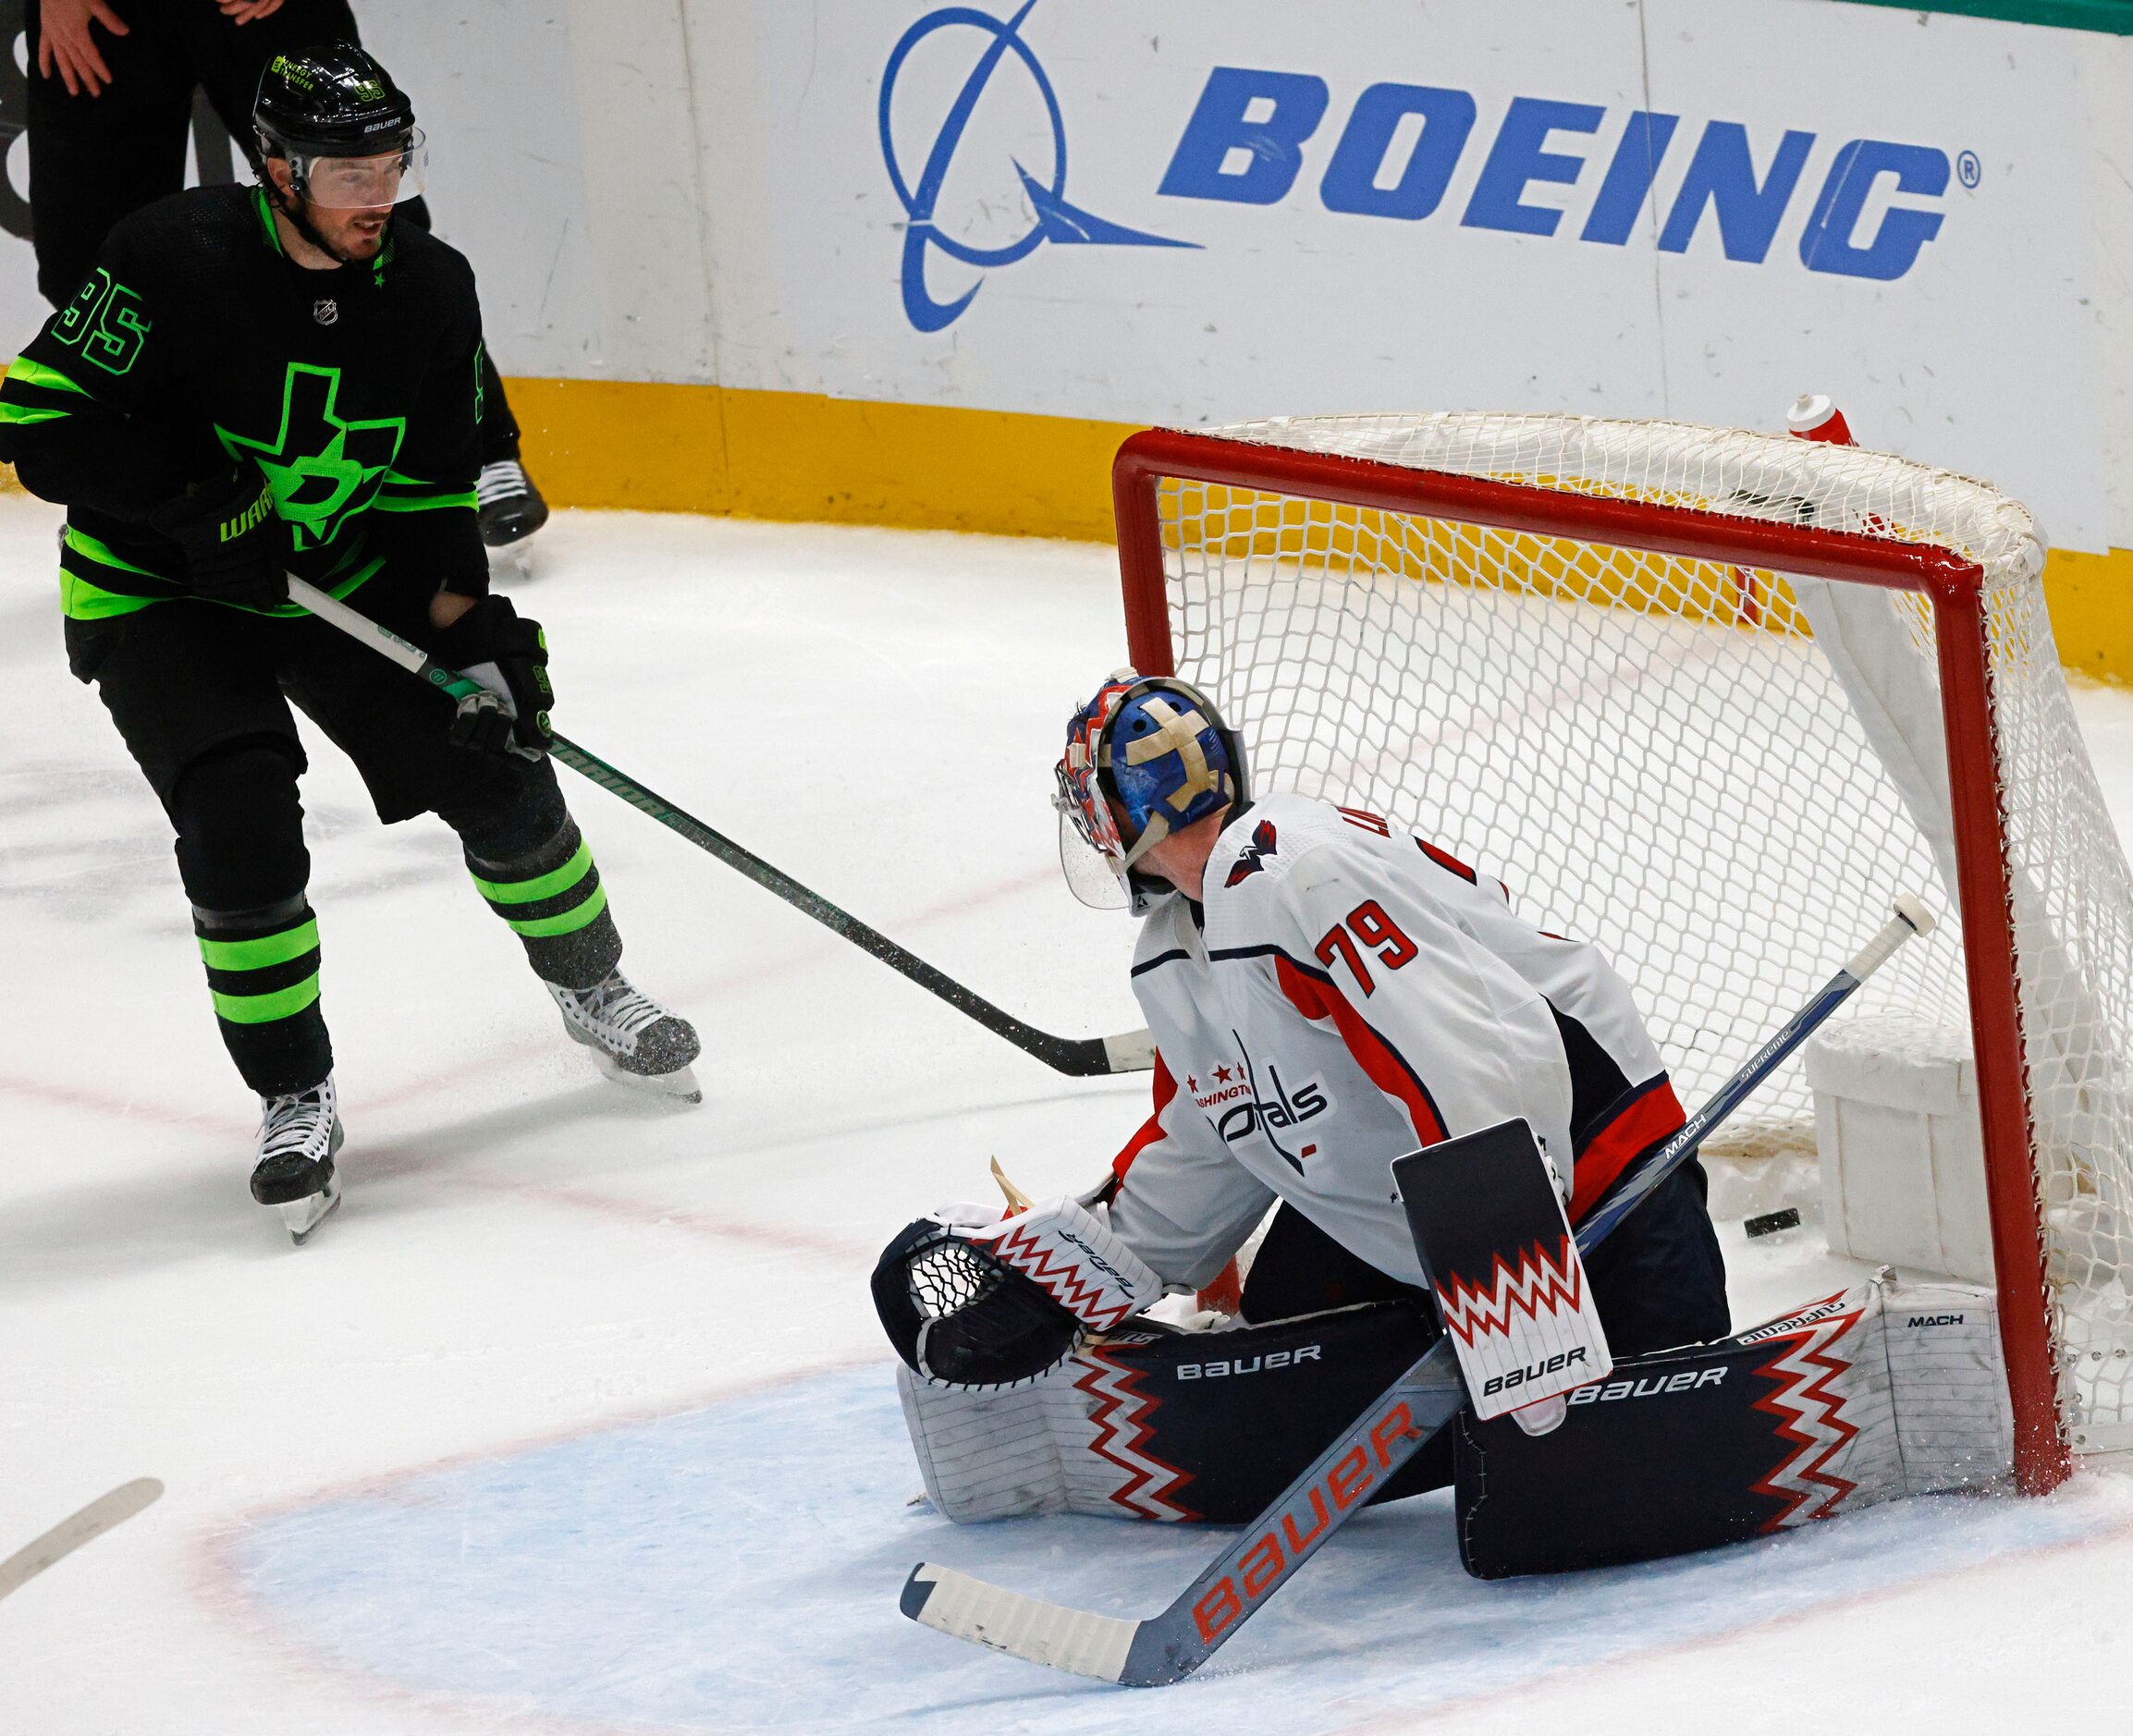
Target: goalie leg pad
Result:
[1162, 1424]
[1879, 1391]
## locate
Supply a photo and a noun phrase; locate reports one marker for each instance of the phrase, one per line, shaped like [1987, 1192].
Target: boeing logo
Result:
[1053, 218]
[1396, 156]
[1542, 169]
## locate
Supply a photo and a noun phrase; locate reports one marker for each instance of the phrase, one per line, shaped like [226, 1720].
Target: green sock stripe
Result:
[569, 923]
[541, 886]
[262, 950]
[258, 1009]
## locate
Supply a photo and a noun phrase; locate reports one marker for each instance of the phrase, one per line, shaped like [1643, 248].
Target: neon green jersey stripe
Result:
[22, 415]
[104, 555]
[262, 950]
[31, 372]
[258, 1009]
[80, 601]
[420, 502]
[541, 886]
[569, 923]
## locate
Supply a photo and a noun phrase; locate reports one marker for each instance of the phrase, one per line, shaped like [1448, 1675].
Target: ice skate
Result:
[634, 1039]
[299, 1133]
[509, 507]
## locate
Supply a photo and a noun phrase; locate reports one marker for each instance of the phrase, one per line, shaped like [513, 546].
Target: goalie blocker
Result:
[1486, 1211]
[1881, 1390]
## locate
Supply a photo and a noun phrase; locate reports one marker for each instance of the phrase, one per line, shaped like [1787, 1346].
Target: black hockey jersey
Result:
[197, 342]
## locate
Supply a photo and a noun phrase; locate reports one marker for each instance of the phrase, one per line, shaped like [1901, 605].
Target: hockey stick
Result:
[70, 1534]
[1170, 1646]
[1129, 1052]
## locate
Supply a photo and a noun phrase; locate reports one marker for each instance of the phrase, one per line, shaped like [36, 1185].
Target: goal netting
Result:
[1686, 691]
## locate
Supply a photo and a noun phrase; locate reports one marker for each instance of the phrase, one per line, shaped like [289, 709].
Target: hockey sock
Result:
[553, 901]
[263, 971]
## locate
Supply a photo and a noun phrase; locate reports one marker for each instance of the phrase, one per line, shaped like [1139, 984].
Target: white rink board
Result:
[702, 194]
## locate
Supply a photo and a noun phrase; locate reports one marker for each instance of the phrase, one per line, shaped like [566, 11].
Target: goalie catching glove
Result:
[970, 1299]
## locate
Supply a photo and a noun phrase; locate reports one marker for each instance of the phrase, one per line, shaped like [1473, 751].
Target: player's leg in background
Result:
[511, 508]
[525, 851]
[96, 159]
[191, 687]
[508, 506]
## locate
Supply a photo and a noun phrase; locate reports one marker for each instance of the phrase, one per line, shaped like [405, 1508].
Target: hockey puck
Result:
[1770, 1223]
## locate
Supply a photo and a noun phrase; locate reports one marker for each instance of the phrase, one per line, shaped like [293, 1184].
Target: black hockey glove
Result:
[509, 656]
[236, 547]
[959, 1314]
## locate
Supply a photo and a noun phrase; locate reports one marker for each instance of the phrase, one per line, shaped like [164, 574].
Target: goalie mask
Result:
[1153, 752]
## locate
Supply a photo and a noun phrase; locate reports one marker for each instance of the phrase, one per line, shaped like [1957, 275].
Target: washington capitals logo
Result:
[1252, 861]
[1042, 204]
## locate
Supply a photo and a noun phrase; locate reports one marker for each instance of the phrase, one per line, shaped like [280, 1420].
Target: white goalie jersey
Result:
[1346, 994]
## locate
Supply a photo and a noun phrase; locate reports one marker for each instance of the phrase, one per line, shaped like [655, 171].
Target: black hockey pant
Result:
[96, 159]
[201, 692]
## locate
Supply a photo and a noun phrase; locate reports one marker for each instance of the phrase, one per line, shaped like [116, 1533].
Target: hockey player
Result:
[111, 90]
[1327, 994]
[254, 381]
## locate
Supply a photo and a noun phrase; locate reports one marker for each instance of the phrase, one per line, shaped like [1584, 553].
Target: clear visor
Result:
[356, 183]
[1089, 875]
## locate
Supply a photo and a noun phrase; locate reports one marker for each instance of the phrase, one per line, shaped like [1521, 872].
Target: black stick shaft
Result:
[1080, 1056]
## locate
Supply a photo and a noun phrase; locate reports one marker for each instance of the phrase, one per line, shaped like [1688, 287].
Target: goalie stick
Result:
[1170, 1646]
[1129, 1052]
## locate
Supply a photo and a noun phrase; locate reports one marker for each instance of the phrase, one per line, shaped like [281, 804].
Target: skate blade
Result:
[301, 1217]
[680, 1083]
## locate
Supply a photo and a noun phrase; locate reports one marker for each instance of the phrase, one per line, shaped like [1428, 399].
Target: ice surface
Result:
[575, 1416]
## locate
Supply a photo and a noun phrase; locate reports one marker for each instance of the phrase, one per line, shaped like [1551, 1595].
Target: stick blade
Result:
[1130, 1052]
[70, 1534]
[968, 1609]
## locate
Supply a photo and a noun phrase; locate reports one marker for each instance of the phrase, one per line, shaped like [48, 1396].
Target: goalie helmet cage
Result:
[1697, 695]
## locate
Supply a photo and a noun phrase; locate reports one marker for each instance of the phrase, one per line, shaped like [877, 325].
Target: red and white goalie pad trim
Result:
[1070, 1253]
[1490, 1232]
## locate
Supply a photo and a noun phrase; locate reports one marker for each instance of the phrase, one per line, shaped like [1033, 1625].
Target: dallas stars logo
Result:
[321, 467]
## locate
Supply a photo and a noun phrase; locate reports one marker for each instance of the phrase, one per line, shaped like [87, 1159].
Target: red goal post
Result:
[1258, 472]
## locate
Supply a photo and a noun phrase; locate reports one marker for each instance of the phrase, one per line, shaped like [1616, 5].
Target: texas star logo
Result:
[322, 466]
[972, 234]
[1255, 853]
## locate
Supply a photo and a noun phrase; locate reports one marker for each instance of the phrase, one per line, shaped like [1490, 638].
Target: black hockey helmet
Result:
[347, 131]
[331, 101]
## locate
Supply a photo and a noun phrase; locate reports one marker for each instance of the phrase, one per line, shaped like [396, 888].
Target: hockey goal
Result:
[1710, 698]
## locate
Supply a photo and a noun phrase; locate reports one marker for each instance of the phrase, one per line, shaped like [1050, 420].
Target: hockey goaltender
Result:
[1327, 992]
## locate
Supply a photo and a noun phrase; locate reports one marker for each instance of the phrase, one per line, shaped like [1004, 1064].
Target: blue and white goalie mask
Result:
[1147, 757]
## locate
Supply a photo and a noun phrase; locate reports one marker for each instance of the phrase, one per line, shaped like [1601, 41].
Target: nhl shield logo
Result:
[325, 310]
